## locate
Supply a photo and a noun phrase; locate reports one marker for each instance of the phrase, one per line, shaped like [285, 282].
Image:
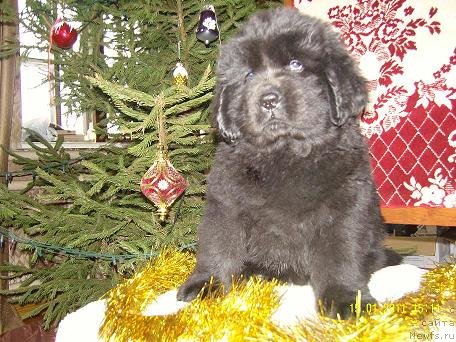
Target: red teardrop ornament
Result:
[162, 184]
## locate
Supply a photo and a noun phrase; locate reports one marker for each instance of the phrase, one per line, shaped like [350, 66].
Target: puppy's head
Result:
[285, 76]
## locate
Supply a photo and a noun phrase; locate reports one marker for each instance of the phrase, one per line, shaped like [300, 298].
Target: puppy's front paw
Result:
[192, 287]
[338, 301]
[333, 308]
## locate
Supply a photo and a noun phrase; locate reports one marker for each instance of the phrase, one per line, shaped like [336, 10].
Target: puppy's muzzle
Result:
[269, 101]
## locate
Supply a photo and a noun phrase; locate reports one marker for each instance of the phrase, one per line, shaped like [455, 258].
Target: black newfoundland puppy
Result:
[290, 195]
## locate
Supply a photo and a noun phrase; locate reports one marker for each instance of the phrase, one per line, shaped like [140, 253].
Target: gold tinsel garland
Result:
[244, 314]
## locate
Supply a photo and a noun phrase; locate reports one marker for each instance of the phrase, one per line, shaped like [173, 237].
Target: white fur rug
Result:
[387, 284]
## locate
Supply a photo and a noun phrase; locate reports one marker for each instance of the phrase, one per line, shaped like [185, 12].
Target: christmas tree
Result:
[84, 221]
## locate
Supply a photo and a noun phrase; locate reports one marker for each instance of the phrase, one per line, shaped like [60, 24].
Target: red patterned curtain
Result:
[406, 49]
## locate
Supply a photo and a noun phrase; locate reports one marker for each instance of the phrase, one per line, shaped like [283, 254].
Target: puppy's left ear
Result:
[346, 87]
[226, 125]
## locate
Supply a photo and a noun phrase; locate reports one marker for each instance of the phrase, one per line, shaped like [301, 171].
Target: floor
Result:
[31, 331]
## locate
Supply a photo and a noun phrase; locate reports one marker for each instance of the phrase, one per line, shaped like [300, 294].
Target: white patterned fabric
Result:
[406, 49]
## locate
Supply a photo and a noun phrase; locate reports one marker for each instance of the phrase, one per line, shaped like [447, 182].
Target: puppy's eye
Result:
[249, 75]
[295, 65]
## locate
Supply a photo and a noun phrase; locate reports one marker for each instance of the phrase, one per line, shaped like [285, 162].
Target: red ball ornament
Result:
[63, 35]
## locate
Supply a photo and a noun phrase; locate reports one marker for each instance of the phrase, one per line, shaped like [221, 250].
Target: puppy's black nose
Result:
[269, 100]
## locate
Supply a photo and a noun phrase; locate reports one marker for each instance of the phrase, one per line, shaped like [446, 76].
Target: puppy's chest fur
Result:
[286, 204]
[291, 184]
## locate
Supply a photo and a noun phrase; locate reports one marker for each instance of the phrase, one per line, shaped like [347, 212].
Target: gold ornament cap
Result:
[180, 74]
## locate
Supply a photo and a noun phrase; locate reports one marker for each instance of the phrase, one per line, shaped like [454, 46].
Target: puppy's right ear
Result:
[346, 87]
[346, 91]
[224, 121]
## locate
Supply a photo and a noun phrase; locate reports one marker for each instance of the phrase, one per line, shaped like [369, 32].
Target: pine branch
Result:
[83, 217]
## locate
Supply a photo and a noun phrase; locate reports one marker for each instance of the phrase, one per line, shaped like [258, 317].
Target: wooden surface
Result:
[8, 70]
[420, 216]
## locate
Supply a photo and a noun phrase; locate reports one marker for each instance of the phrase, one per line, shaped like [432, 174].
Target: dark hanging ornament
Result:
[207, 29]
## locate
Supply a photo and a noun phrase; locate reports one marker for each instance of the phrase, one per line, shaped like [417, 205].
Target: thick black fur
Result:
[290, 195]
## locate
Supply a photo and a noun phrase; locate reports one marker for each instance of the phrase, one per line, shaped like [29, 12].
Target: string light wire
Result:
[75, 252]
